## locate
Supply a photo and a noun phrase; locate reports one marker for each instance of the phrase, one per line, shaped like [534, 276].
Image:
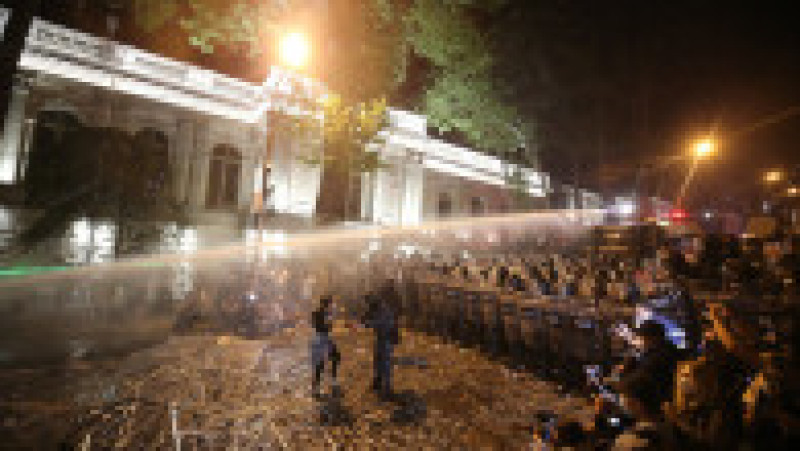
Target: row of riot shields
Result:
[558, 337]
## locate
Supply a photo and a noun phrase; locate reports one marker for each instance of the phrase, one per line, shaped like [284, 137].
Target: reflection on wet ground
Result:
[217, 391]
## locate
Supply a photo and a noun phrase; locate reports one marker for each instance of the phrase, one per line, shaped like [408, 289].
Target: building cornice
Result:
[56, 50]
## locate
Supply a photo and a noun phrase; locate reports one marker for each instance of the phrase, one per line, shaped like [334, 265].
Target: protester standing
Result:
[382, 318]
[322, 346]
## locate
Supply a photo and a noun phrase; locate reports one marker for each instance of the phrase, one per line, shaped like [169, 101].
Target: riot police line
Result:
[551, 335]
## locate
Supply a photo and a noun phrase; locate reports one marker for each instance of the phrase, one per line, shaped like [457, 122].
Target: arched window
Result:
[223, 177]
[477, 207]
[445, 205]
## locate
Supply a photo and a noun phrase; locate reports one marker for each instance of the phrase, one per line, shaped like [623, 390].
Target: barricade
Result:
[560, 335]
[453, 312]
[534, 332]
[490, 317]
[510, 319]
[424, 320]
[474, 326]
[554, 350]
[583, 339]
[438, 304]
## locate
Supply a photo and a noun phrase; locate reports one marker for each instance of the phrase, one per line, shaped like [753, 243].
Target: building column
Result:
[281, 173]
[10, 142]
[201, 155]
[184, 148]
[389, 193]
[413, 189]
[367, 196]
[27, 138]
[247, 184]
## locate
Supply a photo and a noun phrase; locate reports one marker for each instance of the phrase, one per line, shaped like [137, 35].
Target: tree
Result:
[366, 50]
[369, 47]
[353, 115]
[347, 131]
[462, 95]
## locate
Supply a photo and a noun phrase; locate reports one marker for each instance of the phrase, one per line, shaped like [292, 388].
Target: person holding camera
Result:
[645, 383]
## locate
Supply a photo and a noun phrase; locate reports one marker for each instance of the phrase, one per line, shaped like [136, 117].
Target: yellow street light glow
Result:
[793, 191]
[295, 50]
[773, 176]
[704, 148]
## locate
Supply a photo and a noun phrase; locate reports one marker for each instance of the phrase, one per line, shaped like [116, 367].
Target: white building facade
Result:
[229, 162]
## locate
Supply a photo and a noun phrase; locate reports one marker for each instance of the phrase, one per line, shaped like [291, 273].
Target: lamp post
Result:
[294, 52]
[773, 176]
[702, 149]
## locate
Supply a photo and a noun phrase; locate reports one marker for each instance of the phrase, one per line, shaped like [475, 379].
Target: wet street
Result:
[211, 391]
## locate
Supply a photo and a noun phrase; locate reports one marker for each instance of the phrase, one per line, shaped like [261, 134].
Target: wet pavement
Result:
[210, 392]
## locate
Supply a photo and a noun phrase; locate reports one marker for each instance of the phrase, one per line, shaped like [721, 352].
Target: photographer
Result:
[644, 384]
[654, 368]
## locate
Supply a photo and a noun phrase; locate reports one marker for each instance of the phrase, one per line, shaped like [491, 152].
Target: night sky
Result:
[621, 82]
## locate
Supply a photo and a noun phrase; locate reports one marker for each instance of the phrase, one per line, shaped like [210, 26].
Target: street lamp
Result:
[701, 150]
[295, 50]
[704, 148]
[773, 176]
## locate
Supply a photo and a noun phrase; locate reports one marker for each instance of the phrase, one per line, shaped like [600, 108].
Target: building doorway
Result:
[224, 177]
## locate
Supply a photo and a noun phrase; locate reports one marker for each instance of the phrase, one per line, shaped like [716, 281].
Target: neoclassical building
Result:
[229, 162]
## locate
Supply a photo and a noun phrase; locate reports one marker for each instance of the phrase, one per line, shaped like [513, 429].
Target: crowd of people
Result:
[705, 360]
[718, 372]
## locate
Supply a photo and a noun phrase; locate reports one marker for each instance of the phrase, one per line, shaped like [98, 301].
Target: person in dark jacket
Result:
[644, 385]
[382, 318]
[653, 372]
[322, 347]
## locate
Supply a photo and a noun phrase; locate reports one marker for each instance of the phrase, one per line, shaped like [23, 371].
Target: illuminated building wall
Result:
[226, 162]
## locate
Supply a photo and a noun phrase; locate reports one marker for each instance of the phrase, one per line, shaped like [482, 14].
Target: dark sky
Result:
[619, 82]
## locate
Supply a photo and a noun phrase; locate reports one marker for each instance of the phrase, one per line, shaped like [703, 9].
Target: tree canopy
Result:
[433, 56]
[462, 95]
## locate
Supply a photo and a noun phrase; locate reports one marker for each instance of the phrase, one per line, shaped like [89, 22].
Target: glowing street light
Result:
[704, 148]
[773, 176]
[701, 150]
[295, 50]
[793, 191]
